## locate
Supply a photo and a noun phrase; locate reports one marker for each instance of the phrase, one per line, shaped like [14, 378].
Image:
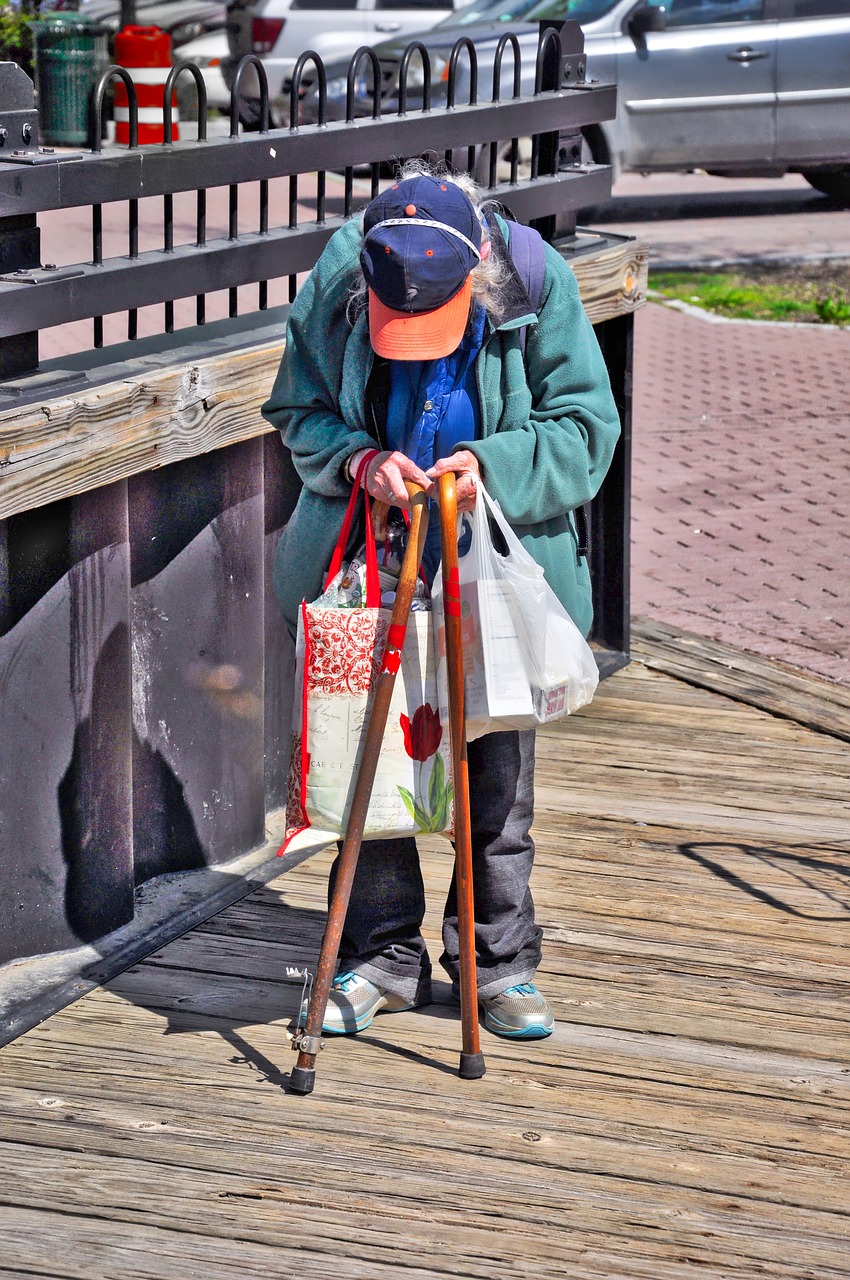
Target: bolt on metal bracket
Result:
[44, 155]
[38, 275]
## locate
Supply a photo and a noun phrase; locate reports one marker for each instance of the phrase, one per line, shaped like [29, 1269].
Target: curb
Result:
[688, 309]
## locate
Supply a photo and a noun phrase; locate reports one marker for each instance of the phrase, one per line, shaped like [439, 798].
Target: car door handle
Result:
[748, 55]
[388, 26]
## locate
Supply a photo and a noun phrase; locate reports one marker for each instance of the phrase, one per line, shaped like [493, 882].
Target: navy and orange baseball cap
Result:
[421, 239]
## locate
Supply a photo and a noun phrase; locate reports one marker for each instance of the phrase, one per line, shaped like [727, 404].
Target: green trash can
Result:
[70, 54]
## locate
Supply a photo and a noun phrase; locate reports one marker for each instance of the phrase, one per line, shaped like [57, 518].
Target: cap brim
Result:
[398, 335]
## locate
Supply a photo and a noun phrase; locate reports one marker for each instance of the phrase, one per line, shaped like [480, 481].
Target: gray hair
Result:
[489, 277]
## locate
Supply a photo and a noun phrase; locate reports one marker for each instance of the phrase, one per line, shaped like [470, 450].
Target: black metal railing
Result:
[463, 133]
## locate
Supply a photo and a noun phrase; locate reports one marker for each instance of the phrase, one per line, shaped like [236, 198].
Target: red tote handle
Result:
[373, 583]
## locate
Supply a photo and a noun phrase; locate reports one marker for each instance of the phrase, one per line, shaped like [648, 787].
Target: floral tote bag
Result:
[339, 655]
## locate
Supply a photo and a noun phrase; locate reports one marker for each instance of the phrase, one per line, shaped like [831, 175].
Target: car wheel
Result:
[832, 182]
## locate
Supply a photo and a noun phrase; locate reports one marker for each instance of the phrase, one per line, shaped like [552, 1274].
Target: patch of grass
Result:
[816, 294]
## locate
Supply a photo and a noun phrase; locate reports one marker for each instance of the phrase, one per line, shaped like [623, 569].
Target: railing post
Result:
[611, 509]
[20, 238]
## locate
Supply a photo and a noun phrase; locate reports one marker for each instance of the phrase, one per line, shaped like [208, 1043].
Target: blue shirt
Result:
[433, 405]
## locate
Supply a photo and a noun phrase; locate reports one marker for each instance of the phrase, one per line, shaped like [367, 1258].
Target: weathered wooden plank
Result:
[754, 1087]
[760, 682]
[612, 280]
[214, 953]
[579, 1195]
[675, 1104]
[97, 1248]
[652, 1003]
[78, 442]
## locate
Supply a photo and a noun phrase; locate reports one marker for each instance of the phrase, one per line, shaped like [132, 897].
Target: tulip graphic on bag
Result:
[422, 737]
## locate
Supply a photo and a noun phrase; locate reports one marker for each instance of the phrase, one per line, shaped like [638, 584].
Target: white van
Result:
[278, 32]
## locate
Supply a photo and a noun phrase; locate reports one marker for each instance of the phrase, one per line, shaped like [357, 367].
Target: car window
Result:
[578, 10]
[818, 9]
[701, 13]
[489, 11]
[412, 4]
[323, 4]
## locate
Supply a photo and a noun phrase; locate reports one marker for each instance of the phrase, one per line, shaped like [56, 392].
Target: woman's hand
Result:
[465, 465]
[385, 477]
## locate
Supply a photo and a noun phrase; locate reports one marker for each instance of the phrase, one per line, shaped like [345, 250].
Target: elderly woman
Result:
[414, 335]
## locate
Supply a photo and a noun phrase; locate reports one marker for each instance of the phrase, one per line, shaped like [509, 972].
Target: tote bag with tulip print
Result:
[339, 653]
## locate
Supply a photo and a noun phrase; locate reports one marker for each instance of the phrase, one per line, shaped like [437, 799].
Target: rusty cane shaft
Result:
[303, 1076]
[471, 1058]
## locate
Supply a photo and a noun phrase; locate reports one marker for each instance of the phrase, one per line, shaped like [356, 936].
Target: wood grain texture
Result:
[690, 1117]
[747, 677]
[612, 280]
[95, 437]
[79, 442]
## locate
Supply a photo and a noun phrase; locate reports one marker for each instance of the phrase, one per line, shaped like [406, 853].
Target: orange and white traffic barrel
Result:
[146, 53]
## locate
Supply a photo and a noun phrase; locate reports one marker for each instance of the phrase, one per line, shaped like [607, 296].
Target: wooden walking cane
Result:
[471, 1058]
[308, 1039]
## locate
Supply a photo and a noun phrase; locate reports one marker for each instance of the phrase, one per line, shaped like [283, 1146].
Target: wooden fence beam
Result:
[74, 443]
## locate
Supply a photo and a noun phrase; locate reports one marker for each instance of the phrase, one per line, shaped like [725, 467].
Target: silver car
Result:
[735, 87]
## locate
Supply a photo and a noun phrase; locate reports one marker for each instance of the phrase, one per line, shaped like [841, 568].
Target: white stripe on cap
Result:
[425, 222]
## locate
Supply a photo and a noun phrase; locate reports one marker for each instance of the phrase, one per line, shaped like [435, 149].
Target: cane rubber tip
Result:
[302, 1079]
[471, 1066]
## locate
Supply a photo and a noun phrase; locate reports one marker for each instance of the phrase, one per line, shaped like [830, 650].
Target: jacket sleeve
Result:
[565, 448]
[304, 404]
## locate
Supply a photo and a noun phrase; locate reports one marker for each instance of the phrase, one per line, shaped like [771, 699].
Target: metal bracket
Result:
[573, 67]
[302, 1043]
[37, 275]
[44, 155]
[18, 115]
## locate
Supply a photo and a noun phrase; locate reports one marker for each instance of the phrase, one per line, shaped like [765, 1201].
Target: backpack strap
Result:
[529, 259]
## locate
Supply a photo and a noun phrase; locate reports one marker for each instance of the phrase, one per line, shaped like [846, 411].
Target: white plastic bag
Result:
[525, 660]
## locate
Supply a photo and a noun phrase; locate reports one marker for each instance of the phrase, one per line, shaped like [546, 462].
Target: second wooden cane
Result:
[471, 1058]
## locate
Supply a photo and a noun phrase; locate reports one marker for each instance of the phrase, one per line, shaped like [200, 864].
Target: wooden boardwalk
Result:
[688, 1118]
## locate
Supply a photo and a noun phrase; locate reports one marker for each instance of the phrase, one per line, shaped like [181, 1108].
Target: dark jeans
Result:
[382, 939]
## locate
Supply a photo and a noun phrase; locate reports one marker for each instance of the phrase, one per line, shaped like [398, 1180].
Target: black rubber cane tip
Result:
[471, 1066]
[302, 1079]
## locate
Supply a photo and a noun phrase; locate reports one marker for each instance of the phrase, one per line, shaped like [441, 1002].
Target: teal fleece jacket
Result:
[548, 421]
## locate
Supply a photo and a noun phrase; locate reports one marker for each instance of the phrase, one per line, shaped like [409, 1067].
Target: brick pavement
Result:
[741, 480]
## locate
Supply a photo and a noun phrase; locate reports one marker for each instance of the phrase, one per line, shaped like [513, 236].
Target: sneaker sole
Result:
[365, 1020]
[537, 1031]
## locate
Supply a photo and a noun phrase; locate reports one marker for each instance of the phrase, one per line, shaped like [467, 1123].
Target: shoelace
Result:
[344, 982]
[524, 989]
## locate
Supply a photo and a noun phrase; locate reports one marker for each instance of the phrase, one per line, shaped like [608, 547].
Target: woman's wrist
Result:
[353, 462]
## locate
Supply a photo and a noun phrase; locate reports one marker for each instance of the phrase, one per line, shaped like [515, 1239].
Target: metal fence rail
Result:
[33, 181]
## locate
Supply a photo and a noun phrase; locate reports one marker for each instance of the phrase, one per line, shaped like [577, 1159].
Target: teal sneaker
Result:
[520, 1013]
[353, 1003]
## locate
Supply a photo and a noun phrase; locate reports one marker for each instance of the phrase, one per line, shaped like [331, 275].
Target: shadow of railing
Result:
[809, 874]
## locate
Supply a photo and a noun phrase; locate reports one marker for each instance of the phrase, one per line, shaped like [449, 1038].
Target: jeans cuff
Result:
[414, 987]
[495, 986]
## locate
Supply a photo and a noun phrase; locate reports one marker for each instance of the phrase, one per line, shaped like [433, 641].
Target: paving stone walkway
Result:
[741, 482]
